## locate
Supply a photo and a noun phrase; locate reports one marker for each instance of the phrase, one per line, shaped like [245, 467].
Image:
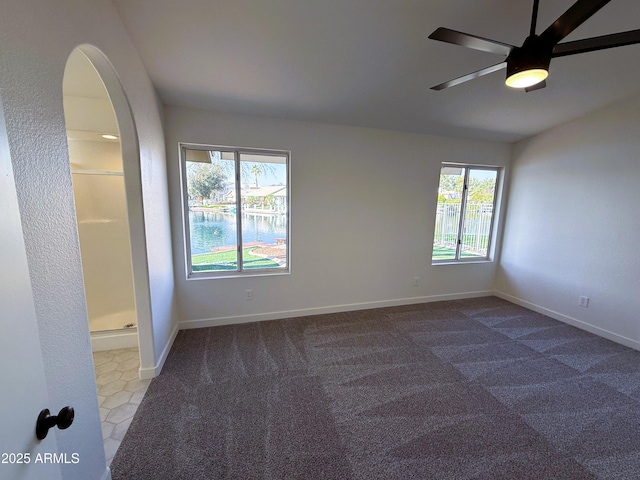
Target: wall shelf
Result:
[99, 221]
[98, 172]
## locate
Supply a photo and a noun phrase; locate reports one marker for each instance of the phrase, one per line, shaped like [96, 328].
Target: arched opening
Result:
[105, 167]
[97, 171]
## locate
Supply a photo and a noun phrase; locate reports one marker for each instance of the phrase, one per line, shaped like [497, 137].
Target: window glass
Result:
[235, 198]
[478, 213]
[448, 213]
[264, 208]
[464, 213]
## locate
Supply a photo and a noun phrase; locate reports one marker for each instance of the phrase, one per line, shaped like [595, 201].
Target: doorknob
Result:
[63, 420]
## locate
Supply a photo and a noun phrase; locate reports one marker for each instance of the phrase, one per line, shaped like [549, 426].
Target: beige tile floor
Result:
[120, 391]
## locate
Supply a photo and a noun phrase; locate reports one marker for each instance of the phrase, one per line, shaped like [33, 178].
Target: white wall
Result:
[362, 218]
[572, 223]
[36, 37]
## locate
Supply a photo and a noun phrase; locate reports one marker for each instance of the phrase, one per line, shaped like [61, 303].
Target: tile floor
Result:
[120, 391]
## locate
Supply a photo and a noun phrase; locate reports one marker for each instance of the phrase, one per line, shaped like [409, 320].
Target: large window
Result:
[465, 212]
[236, 210]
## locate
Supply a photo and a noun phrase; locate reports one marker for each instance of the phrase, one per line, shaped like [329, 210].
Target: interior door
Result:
[23, 392]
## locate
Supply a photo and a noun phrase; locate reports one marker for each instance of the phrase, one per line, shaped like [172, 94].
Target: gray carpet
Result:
[470, 389]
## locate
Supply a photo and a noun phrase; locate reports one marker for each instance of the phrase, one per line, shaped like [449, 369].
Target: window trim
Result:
[463, 207]
[237, 151]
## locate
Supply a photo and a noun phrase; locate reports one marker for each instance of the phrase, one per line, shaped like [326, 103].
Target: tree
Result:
[482, 191]
[204, 179]
[246, 168]
[451, 183]
[269, 201]
[256, 169]
[450, 190]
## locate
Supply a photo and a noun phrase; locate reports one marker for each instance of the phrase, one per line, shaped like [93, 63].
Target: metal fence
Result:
[476, 227]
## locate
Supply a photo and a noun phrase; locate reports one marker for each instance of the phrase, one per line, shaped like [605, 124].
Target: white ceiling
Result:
[369, 62]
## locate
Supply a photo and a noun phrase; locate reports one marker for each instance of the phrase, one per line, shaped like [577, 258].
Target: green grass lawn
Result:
[222, 261]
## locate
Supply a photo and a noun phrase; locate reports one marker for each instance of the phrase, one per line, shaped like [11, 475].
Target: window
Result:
[236, 210]
[464, 215]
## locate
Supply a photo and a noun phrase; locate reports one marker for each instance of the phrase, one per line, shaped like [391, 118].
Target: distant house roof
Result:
[275, 190]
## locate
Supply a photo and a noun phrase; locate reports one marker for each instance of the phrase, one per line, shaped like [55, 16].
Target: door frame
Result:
[135, 208]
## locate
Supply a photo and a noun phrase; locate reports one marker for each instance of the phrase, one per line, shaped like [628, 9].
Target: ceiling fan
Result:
[528, 66]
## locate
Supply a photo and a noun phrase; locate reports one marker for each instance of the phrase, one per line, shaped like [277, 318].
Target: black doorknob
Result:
[63, 420]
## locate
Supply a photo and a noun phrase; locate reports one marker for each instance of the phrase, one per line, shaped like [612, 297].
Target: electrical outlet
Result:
[248, 294]
[415, 281]
[583, 301]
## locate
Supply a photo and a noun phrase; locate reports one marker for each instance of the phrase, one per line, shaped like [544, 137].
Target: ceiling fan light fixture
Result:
[529, 64]
[526, 78]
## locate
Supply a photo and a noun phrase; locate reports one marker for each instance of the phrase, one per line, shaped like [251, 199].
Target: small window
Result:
[236, 210]
[465, 213]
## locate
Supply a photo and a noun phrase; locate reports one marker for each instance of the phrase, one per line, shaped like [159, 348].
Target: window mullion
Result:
[493, 216]
[236, 156]
[463, 209]
[187, 221]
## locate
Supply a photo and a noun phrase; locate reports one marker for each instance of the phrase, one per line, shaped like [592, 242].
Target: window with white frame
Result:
[236, 210]
[465, 213]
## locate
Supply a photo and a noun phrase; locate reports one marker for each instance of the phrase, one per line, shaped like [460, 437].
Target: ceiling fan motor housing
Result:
[534, 54]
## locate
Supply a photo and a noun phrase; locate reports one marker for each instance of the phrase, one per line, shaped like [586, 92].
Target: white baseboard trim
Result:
[601, 332]
[261, 317]
[111, 340]
[107, 474]
[147, 373]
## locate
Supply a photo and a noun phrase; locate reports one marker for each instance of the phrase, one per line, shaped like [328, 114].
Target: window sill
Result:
[215, 276]
[461, 262]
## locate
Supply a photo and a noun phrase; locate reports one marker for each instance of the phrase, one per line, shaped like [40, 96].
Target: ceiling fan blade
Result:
[470, 76]
[471, 41]
[537, 86]
[597, 43]
[577, 14]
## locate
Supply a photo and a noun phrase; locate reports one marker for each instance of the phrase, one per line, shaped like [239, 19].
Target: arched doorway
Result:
[105, 167]
[96, 160]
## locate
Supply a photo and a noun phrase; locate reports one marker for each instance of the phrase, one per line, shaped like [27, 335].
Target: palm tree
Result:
[256, 170]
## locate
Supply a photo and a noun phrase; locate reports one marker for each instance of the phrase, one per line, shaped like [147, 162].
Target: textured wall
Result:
[572, 223]
[36, 38]
[362, 216]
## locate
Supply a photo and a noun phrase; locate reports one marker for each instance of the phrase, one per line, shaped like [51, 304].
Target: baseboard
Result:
[147, 373]
[107, 474]
[601, 332]
[261, 317]
[101, 341]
